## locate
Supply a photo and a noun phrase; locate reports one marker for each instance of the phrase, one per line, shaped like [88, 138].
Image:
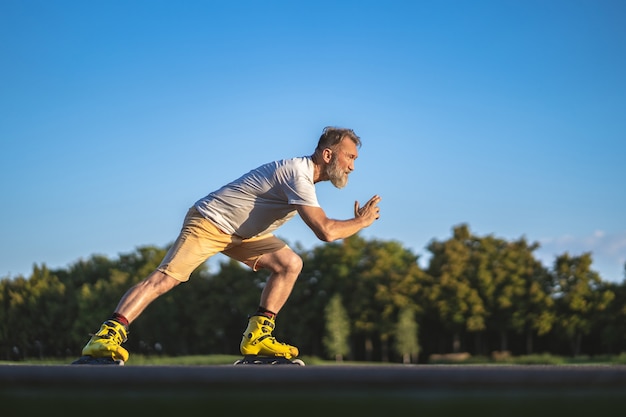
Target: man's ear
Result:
[327, 154]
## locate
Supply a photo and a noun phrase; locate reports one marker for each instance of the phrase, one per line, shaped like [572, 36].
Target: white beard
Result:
[336, 176]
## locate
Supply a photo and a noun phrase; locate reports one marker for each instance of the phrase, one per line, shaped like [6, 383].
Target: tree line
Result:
[355, 299]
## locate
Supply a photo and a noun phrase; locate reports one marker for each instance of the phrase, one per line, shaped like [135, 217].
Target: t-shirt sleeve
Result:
[301, 191]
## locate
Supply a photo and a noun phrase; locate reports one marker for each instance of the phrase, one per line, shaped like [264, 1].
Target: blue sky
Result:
[115, 116]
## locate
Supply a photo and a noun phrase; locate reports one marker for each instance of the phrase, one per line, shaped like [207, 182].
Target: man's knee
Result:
[284, 261]
[294, 263]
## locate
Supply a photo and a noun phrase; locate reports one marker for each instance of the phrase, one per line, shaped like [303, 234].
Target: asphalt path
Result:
[360, 390]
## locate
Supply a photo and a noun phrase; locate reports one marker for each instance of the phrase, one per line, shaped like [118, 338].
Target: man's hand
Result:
[329, 230]
[370, 210]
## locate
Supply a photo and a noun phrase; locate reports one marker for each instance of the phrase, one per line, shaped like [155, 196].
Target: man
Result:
[238, 220]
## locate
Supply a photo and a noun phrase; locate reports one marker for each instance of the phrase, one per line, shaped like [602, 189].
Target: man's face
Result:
[342, 163]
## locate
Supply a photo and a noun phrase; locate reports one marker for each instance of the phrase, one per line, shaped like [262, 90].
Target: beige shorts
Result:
[199, 239]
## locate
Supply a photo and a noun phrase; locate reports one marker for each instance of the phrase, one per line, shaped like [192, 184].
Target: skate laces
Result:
[112, 331]
[267, 327]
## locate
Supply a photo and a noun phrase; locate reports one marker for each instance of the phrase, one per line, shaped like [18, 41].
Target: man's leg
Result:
[285, 266]
[113, 332]
[198, 240]
[137, 298]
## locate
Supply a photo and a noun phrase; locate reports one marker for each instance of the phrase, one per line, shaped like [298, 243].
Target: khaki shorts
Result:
[200, 239]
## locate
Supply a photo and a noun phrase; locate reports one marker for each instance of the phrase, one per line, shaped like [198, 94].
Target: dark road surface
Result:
[260, 390]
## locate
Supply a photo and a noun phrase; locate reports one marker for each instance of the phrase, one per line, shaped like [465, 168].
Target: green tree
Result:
[407, 344]
[534, 313]
[34, 309]
[611, 324]
[509, 280]
[389, 281]
[451, 294]
[579, 297]
[481, 286]
[374, 278]
[337, 329]
[4, 310]
[491, 272]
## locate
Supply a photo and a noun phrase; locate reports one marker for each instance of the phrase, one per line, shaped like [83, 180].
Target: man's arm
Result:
[328, 230]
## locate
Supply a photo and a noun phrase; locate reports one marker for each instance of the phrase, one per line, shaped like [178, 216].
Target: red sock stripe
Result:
[120, 319]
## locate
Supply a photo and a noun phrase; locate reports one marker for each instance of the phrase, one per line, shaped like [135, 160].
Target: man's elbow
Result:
[325, 236]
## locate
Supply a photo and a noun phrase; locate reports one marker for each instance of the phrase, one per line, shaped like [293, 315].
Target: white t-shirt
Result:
[263, 199]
